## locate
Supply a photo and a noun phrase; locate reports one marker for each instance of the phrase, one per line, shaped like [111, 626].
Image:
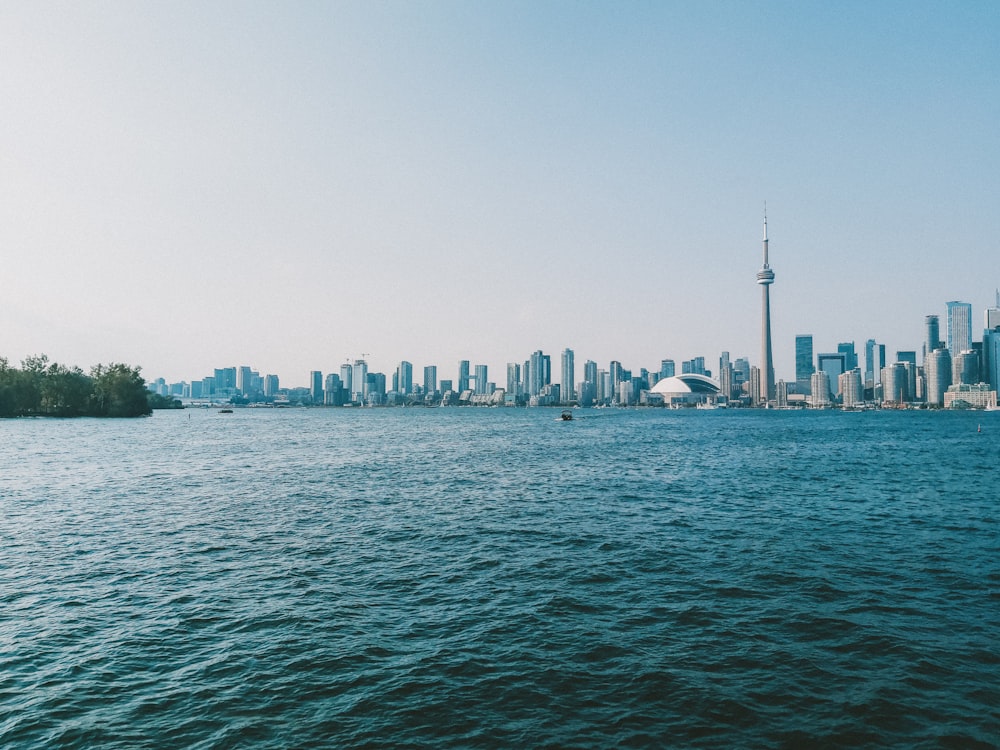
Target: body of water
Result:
[499, 578]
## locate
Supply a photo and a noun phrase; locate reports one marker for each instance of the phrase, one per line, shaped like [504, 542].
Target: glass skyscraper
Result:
[959, 327]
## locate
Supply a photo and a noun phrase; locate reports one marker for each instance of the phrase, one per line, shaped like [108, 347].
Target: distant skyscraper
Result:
[937, 370]
[804, 367]
[849, 385]
[430, 379]
[481, 380]
[568, 375]
[850, 356]
[819, 389]
[514, 379]
[667, 368]
[270, 385]
[347, 378]
[765, 277]
[991, 355]
[894, 384]
[933, 334]
[316, 386]
[833, 364]
[959, 327]
[463, 375]
[359, 381]
[992, 316]
[404, 377]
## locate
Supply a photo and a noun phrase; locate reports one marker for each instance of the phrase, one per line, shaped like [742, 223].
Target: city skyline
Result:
[188, 186]
[840, 358]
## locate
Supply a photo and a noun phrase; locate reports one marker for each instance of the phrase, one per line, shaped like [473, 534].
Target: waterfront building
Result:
[804, 367]
[819, 389]
[754, 384]
[686, 389]
[514, 379]
[959, 327]
[463, 375]
[404, 378]
[430, 380]
[666, 368]
[316, 386]
[359, 381]
[850, 387]
[781, 393]
[539, 372]
[725, 376]
[870, 368]
[590, 372]
[765, 277]
[347, 378]
[333, 390]
[482, 385]
[271, 386]
[617, 374]
[967, 395]
[937, 370]
[568, 375]
[894, 384]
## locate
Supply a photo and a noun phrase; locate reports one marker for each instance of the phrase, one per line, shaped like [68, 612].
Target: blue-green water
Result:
[498, 578]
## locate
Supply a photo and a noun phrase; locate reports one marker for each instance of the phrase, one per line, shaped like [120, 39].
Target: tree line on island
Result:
[41, 388]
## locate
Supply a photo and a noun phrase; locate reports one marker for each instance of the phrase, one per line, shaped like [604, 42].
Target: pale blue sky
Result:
[186, 186]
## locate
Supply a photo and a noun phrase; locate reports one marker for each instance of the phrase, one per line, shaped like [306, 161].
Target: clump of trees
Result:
[43, 388]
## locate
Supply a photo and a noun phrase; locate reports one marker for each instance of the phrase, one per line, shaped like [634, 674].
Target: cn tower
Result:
[765, 277]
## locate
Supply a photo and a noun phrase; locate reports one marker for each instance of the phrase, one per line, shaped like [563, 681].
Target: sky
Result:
[190, 185]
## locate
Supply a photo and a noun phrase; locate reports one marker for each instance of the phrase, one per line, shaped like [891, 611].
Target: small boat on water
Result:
[567, 415]
[225, 411]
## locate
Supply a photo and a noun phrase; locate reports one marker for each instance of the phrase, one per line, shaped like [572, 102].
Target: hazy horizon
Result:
[192, 186]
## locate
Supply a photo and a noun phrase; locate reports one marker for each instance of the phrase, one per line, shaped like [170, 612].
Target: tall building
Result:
[819, 388]
[347, 378]
[463, 375]
[937, 370]
[833, 364]
[316, 386]
[895, 383]
[849, 385]
[617, 375]
[850, 356]
[359, 381]
[667, 368]
[568, 375]
[539, 372]
[513, 379]
[992, 316]
[804, 367]
[991, 355]
[270, 386]
[965, 368]
[404, 378]
[430, 380]
[481, 380]
[765, 277]
[933, 334]
[959, 327]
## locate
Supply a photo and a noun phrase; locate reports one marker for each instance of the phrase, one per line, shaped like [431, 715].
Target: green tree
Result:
[118, 391]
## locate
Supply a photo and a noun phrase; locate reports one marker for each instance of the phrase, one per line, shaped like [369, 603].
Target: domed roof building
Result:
[686, 389]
